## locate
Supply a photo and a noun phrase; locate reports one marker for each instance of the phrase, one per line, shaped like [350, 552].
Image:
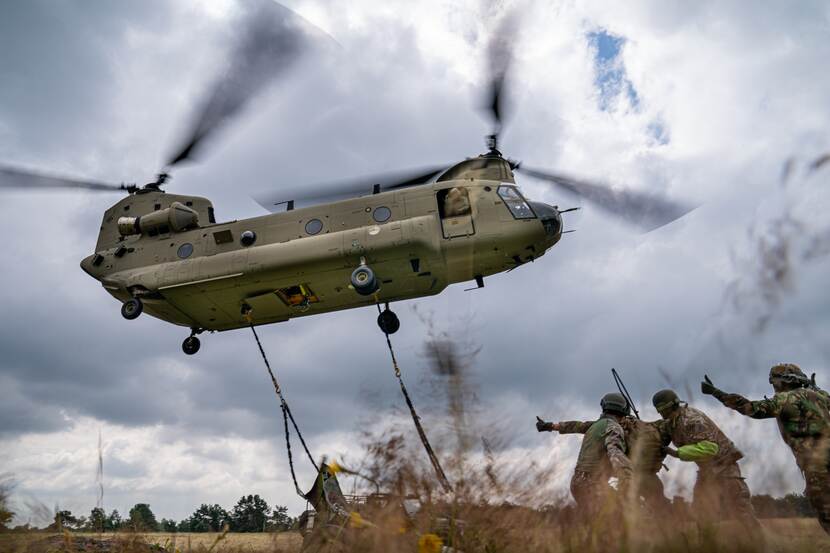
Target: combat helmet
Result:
[615, 403]
[787, 375]
[665, 401]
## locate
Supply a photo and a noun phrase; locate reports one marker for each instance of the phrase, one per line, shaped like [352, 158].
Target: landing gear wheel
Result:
[364, 281]
[191, 345]
[388, 321]
[132, 308]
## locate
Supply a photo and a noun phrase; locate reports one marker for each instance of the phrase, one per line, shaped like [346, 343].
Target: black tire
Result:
[388, 322]
[132, 308]
[364, 281]
[191, 345]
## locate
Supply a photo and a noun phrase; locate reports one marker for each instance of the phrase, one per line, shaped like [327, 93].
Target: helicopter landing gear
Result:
[132, 308]
[388, 321]
[191, 344]
[364, 281]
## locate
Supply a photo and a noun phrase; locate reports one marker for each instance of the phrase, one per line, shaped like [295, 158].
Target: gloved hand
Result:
[542, 426]
[671, 452]
[707, 387]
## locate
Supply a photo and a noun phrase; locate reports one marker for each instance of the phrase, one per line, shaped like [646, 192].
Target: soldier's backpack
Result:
[646, 445]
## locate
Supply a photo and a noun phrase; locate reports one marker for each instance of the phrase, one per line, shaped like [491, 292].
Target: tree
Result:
[168, 525]
[249, 514]
[279, 520]
[113, 521]
[209, 518]
[97, 521]
[6, 514]
[142, 518]
[799, 505]
[184, 525]
[63, 520]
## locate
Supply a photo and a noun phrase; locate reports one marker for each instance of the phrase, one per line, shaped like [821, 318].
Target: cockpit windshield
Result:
[514, 201]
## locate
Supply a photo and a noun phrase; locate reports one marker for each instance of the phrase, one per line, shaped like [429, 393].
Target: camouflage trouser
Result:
[721, 493]
[591, 492]
[818, 492]
[650, 488]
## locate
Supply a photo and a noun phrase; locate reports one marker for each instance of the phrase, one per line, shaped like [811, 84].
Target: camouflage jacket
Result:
[803, 418]
[690, 426]
[646, 441]
[603, 450]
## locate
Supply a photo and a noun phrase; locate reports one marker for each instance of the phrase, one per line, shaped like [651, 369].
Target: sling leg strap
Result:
[286, 414]
[433, 458]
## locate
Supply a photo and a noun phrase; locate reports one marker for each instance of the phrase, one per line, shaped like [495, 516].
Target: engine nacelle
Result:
[176, 218]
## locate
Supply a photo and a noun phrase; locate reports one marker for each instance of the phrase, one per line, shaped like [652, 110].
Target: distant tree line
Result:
[253, 514]
[790, 506]
[250, 514]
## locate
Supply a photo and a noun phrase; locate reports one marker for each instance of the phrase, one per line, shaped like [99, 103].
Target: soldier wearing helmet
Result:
[719, 489]
[646, 443]
[803, 416]
[601, 456]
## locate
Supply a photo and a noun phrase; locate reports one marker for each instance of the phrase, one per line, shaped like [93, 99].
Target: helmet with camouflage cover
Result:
[787, 376]
[615, 403]
[665, 401]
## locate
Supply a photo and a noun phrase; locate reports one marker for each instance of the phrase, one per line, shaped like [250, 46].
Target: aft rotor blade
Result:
[332, 191]
[11, 177]
[271, 38]
[499, 60]
[644, 210]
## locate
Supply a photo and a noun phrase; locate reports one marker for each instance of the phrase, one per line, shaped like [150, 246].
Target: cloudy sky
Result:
[707, 102]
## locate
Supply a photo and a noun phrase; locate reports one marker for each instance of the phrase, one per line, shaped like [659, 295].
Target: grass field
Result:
[783, 535]
[284, 542]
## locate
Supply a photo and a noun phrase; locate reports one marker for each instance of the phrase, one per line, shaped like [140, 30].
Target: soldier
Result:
[601, 455]
[801, 411]
[719, 489]
[647, 444]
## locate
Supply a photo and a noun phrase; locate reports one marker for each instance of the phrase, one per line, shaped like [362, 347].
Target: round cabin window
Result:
[185, 250]
[247, 238]
[314, 226]
[382, 214]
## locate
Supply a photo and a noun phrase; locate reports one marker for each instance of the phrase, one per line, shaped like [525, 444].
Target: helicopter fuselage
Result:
[219, 276]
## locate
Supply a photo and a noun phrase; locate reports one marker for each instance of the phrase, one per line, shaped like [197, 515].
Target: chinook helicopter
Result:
[406, 237]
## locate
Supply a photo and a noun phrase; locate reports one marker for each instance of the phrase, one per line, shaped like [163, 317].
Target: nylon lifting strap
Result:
[286, 414]
[433, 458]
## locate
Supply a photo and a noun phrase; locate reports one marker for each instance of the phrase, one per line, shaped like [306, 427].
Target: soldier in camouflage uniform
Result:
[801, 411]
[647, 442]
[601, 456]
[720, 490]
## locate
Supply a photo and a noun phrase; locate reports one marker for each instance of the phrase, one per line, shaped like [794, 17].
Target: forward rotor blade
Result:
[644, 210]
[333, 191]
[270, 40]
[11, 177]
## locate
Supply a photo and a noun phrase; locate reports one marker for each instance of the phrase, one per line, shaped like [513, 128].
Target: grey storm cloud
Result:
[105, 89]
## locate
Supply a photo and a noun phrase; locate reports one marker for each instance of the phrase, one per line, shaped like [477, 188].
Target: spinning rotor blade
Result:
[641, 209]
[499, 59]
[11, 177]
[350, 188]
[270, 40]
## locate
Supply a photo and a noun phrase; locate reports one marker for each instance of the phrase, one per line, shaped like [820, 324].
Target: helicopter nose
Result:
[550, 218]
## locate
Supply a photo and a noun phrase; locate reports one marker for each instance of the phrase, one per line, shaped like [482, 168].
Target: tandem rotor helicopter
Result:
[407, 236]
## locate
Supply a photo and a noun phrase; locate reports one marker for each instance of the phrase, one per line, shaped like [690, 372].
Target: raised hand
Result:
[707, 387]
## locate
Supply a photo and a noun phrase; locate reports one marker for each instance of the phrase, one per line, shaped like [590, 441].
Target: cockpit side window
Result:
[514, 201]
[454, 202]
